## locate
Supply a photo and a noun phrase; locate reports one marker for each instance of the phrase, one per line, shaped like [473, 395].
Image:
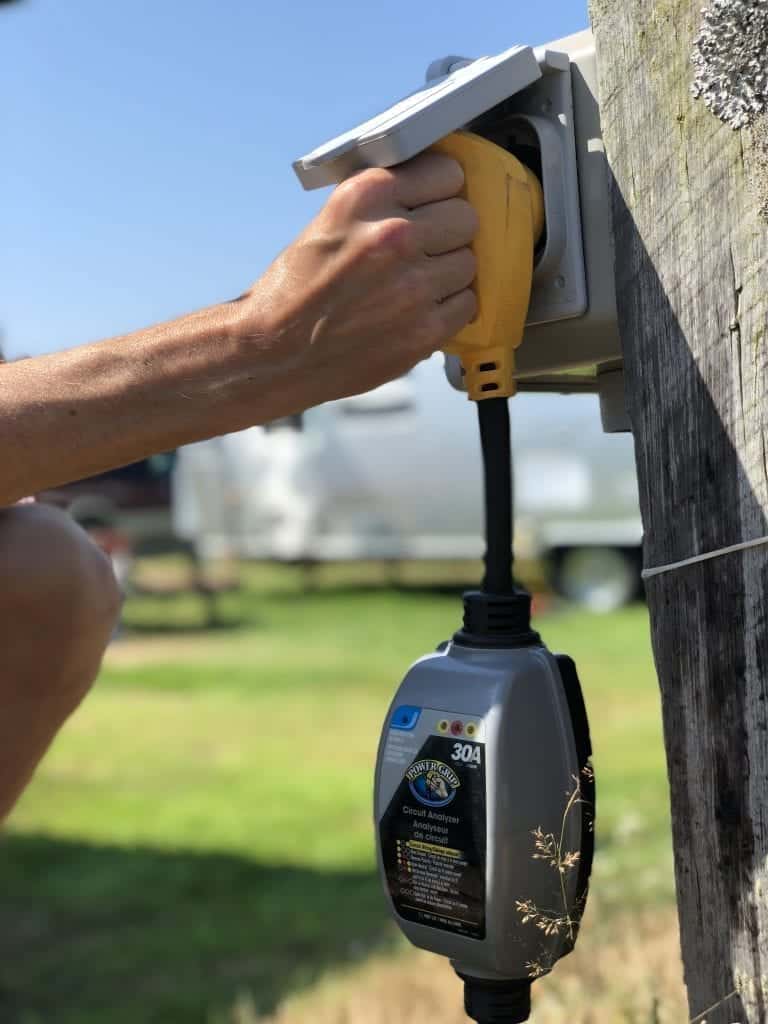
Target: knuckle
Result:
[452, 172]
[463, 310]
[468, 306]
[433, 333]
[448, 318]
[444, 172]
[394, 236]
[467, 262]
[456, 271]
[471, 221]
[364, 189]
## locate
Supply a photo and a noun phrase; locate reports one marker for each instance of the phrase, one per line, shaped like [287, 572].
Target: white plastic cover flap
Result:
[422, 118]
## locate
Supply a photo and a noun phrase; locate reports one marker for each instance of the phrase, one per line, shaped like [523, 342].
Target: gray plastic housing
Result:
[587, 344]
[517, 700]
[565, 349]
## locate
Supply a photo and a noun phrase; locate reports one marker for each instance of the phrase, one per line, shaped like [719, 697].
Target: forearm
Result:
[75, 413]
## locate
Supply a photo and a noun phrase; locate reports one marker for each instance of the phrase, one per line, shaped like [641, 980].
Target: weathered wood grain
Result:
[692, 283]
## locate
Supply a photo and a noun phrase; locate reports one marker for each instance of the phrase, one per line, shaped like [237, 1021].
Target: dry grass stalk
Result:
[626, 971]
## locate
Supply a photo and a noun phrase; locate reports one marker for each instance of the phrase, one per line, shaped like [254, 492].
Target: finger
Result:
[428, 178]
[457, 311]
[451, 272]
[445, 226]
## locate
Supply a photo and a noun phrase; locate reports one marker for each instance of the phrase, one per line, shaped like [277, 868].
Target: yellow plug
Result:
[509, 203]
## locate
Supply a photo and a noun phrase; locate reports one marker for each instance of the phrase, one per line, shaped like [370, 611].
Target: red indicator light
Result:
[457, 728]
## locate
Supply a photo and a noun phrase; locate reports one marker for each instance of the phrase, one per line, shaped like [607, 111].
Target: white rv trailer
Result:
[396, 474]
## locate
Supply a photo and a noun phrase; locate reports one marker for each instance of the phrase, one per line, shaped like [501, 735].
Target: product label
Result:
[433, 833]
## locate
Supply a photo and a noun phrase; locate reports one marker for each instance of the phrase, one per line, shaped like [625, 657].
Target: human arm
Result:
[377, 282]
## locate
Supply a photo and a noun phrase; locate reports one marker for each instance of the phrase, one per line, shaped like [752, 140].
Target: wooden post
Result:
[689, 203]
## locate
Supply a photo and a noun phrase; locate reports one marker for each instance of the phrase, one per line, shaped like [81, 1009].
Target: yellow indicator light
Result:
[443, 726]
[471, 729]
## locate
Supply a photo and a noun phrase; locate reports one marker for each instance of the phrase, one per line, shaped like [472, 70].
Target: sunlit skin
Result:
[378, 281]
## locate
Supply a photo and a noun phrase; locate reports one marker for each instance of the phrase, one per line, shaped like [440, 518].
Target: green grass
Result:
[202, 826]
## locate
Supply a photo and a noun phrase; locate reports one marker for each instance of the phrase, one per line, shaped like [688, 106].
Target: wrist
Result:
[259, 380]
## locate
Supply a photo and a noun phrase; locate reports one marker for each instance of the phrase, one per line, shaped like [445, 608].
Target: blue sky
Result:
[147, 146]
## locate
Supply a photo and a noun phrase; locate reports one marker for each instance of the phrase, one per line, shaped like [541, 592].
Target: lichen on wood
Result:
[730, 61]
[730, 58]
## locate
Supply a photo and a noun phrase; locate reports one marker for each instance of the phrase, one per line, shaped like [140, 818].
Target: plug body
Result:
[509, 203]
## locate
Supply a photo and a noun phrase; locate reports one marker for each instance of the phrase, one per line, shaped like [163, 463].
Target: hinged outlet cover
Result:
[421, 119]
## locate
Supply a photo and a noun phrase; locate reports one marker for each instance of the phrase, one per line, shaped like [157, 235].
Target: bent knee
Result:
[54, 581]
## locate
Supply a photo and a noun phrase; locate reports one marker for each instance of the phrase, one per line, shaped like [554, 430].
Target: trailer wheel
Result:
[601, 579]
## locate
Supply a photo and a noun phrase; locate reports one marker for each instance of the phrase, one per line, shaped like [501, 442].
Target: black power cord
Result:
[499, 614]
[493, 416]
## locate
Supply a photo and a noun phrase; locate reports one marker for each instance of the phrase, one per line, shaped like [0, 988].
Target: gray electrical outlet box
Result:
[541, 104]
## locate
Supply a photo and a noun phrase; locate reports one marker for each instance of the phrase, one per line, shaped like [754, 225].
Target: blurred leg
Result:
[59, 603]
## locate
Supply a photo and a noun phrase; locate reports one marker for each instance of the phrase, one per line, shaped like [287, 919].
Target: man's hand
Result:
[377, 282]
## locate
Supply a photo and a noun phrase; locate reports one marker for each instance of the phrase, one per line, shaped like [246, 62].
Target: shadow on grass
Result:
[183, 613]
[336, 591]
[188, 612]
[157, 627]
[100, 933]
